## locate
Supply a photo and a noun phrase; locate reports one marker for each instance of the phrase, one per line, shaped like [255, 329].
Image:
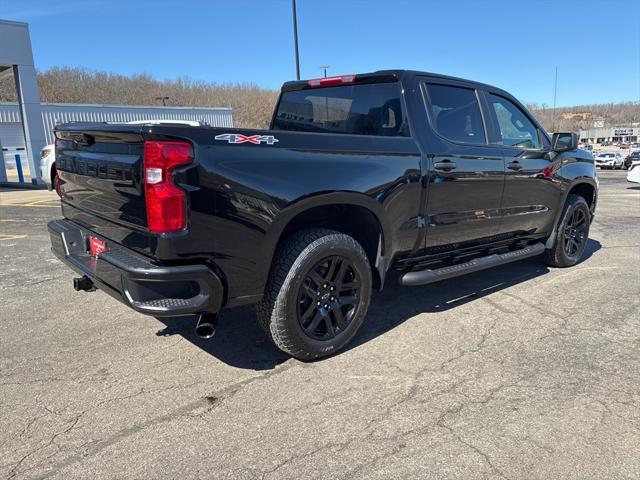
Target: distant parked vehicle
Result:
[634, 172]
[48, 166]
[624, 145]
[632, 157]
[609, 160]
[635, 145]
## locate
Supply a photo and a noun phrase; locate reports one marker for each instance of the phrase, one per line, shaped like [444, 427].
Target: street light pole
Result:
[295, 38]
[555, 94]
[324, 67]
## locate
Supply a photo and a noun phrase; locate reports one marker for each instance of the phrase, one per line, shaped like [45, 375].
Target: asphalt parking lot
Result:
[516, 372]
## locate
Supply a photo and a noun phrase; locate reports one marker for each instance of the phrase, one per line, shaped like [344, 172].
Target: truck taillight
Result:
[166, 202]
[58, 184]
[331, 81]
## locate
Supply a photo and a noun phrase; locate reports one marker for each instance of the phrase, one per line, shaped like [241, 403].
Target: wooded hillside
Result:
[582, 117]
[252, 105]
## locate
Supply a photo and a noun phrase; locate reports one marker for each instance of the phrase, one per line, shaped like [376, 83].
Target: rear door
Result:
[532, 187]
[465, 174]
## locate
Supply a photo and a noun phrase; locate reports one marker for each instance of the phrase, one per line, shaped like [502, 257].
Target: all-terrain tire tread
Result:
[271, 309]
[554, 256]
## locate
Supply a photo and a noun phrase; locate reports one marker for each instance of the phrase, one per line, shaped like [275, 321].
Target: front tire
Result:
[572, 235]
[317, 294]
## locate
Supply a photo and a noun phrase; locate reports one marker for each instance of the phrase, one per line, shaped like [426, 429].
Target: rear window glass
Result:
[369, 109]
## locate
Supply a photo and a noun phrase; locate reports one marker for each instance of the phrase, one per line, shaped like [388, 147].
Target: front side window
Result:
[455, 113]
[516, 130]
[365, 109]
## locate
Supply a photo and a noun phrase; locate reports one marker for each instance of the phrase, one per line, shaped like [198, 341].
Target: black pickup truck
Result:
[426, 174]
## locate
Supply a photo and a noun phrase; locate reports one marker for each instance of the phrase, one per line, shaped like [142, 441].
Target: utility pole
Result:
[555, 95]
[324, 67]
[295, 38]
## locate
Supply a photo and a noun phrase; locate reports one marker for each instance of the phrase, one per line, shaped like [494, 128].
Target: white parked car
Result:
[633, 175]
[610, 160]
[48, 153]
[48, 166]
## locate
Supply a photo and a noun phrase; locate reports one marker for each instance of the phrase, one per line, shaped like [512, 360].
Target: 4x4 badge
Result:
[239, 138]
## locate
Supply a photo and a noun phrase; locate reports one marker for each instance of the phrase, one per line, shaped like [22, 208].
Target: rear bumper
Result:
[134, 279]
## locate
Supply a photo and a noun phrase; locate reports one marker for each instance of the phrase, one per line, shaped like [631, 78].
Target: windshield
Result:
[606, 155]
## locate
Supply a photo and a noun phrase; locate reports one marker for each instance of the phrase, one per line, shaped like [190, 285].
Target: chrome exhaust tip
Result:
[206, 326]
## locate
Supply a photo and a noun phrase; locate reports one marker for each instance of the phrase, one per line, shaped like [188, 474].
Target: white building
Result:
[611, 134]
[12, 135]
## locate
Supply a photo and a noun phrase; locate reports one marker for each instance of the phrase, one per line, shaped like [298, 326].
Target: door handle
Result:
[515, 165]
[446, 165]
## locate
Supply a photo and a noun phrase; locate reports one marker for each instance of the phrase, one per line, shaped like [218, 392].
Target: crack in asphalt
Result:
[99, 445]
[14, 470]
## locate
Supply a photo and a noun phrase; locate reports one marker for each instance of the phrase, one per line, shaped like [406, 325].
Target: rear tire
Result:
[572, 234]
[317, 294]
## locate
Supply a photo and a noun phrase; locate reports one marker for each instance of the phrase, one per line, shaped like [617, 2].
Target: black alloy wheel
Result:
[572, 236]
[317, 294]
[328, 298]
[575, 237]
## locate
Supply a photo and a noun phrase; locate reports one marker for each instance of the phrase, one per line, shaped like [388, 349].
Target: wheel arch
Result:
[586, 187]
[354, 214]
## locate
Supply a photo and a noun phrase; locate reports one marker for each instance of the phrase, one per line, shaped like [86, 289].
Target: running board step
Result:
[422, 277]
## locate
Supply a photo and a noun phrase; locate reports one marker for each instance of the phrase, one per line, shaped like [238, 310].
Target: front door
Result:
[532, 188]
[465, 174]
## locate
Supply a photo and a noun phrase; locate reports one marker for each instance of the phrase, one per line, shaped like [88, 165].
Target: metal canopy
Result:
[16, 58]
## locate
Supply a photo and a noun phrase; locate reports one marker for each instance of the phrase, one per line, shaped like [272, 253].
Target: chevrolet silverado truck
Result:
[358, 175]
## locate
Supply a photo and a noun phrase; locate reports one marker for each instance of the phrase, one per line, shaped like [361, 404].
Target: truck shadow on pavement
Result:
[240, 342]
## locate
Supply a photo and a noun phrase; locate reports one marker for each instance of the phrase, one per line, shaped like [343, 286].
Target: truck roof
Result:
[393, 75]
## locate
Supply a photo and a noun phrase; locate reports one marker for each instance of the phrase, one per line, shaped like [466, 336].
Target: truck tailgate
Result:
[100, 169]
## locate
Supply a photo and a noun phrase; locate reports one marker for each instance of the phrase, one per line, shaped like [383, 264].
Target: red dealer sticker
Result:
[96, 246]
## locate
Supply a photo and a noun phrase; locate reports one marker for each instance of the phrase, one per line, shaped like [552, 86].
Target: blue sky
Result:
[512, 44]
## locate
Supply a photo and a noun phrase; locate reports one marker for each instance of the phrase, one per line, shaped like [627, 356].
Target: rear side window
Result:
[516, 130]
[455, 113]
[368, 109]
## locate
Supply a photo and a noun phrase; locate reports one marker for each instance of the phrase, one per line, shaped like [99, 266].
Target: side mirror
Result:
[564, 141]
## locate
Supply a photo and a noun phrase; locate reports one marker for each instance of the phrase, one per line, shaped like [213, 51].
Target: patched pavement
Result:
[516, 372]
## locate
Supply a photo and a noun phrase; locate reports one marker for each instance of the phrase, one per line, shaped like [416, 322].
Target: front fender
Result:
[578, 167]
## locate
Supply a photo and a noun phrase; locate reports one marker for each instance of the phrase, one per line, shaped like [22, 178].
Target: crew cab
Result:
[358, 175]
